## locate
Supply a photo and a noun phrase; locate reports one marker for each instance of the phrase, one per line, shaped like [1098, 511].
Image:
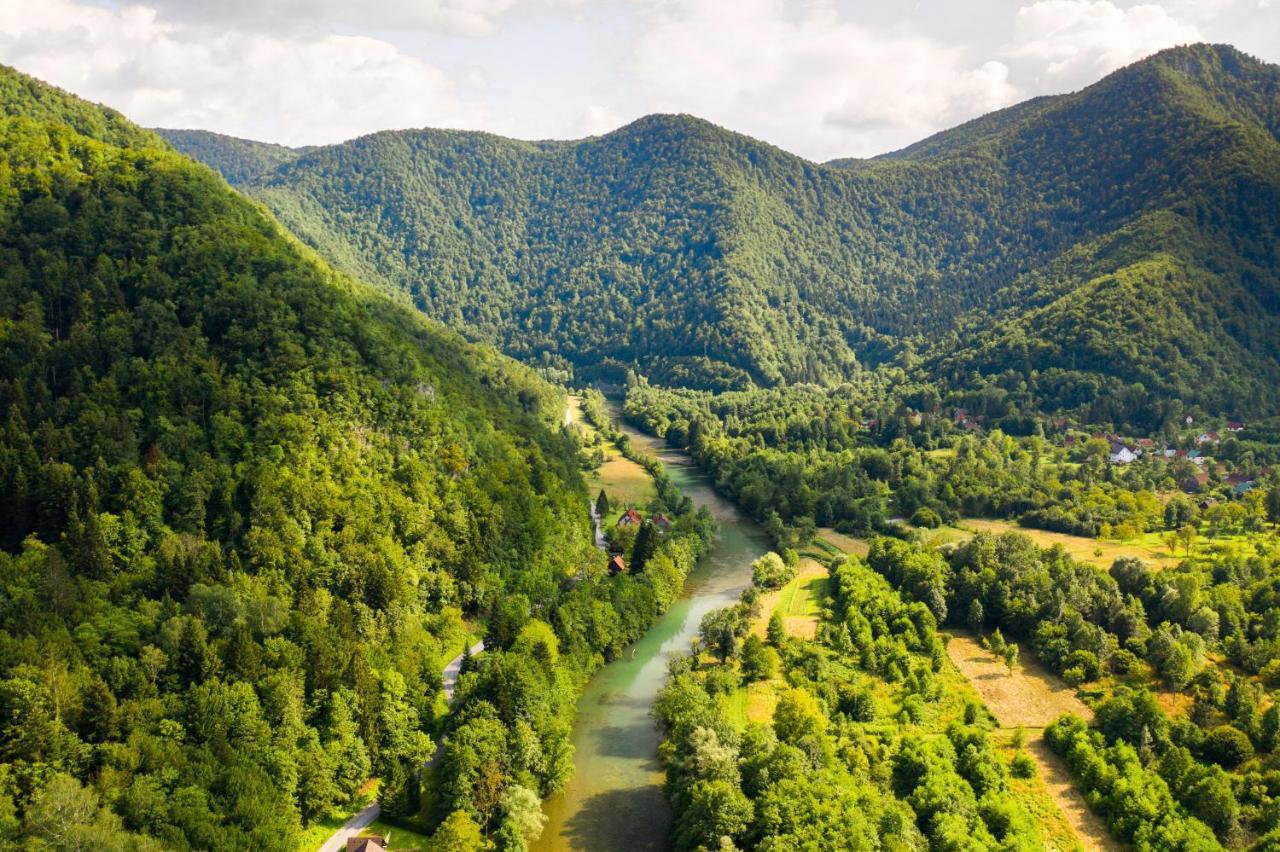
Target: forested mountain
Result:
[1119, 239]
[247, 504]
[237, 160]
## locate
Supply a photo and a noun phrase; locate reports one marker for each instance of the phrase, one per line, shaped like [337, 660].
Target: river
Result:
[614, 800]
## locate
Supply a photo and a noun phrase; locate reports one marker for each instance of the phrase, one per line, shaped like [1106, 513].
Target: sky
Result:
[821, 78]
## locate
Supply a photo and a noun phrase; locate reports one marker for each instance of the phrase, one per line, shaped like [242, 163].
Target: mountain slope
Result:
[246, 502]
[237, 160]
[710, 259]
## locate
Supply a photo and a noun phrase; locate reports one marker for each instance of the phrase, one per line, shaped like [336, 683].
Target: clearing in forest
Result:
[799, 602]
[1030, 697]
[847, 544]
[626, 483]
[1094, 551]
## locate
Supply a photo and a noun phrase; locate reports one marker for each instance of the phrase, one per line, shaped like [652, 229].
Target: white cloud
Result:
[809, 79]
[307, 88]
[1066, 44]
[457, 17]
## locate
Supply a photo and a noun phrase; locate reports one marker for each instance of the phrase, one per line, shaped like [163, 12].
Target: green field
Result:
[626, 483]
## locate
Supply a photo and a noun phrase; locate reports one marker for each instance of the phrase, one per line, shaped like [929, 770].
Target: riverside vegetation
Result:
[253, 503]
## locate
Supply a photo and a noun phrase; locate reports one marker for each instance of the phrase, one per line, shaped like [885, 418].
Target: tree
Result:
[1273, 503]
[643, 550]
[776, 631]
[1227, 746]
[522, 809]
[1010, 656]
[771, 571]
[458, 833]
[797, 716]
[716, 809]
[602, 505]
[1187, 536]
[719, 631]
[759, 662]
[976, 616]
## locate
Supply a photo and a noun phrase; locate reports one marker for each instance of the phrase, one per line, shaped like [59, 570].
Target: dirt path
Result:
[1030, 697]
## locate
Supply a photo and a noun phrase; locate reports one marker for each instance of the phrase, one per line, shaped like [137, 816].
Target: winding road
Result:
[358, 823]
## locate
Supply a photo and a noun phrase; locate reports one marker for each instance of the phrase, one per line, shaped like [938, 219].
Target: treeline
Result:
[851, 758]
[1106, 252]
[507, 737]
[1173, 782]
[857, 456]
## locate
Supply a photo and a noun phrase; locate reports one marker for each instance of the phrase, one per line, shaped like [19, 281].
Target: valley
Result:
[934, 503]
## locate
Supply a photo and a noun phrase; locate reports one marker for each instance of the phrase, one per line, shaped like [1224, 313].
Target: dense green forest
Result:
[1111, 251]
[866, 747]
[251, 508]
[237, 160]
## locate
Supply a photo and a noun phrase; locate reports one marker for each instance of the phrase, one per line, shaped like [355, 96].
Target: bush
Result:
[1123, 662]
[1023, 766]
[1086, 662]
[926, 518]
[1227, 746]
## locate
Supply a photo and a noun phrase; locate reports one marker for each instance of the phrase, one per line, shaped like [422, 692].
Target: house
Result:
[1243, 488]
[661, 522]
[631, 518]
[1146, 444]
[1121, 454]
[616, 565]
[372, 843]
[1207, 438]
[1235, 426]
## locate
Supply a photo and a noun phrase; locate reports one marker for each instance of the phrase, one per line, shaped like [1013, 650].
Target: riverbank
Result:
[614, 800]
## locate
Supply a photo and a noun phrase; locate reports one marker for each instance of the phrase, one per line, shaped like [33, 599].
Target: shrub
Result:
[1227, 746]
[1023, 766]
[926, 518]
[1123, 662]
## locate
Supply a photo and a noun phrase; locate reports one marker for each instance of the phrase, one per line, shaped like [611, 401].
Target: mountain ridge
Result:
[707, 258]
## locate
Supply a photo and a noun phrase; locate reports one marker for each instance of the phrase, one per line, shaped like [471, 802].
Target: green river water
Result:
[614, 800]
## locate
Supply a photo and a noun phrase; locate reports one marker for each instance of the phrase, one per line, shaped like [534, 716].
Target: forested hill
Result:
[246, 502]
[237, 160]
[1146, 201]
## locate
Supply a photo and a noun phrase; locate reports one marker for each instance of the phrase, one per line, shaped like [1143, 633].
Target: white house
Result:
[1120, 454]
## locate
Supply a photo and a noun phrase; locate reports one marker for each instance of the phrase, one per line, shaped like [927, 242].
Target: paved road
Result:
[352, 827]
[455, 666]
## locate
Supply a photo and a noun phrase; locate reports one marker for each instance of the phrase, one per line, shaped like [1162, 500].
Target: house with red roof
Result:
[630, 518]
